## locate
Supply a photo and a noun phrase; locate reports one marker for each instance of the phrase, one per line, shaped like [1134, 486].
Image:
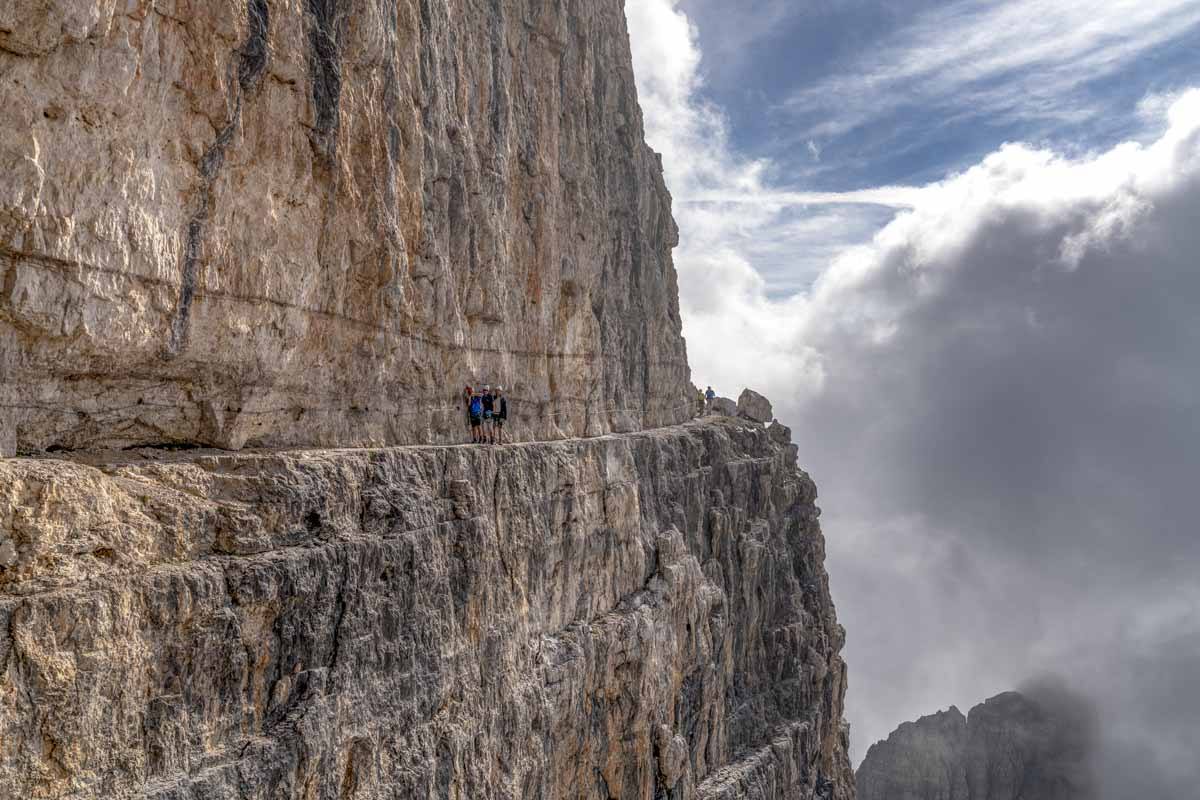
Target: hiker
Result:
[466, 398]
[499, 414]
[476, 411]
[489, 402]
[709, 396]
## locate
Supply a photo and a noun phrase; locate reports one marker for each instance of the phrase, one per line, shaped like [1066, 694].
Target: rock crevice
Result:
[251, 63]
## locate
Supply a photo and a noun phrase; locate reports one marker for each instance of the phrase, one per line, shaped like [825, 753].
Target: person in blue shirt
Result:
[475, 409]
[709, 396]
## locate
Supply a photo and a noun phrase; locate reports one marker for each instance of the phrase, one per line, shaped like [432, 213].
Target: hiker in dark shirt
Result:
[489, 401]
[499, 414]
[466, 398]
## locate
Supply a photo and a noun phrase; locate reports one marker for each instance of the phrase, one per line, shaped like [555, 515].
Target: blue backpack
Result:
[476, 406]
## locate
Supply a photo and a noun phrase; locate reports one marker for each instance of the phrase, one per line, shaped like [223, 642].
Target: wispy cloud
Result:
[1014, 58]
[889, 196]
[736, 228]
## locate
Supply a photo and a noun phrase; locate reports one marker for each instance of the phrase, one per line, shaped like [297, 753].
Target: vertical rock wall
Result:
[633, 616]
[280, 222]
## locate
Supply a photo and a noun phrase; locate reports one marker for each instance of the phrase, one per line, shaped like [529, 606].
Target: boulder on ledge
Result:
[753, 405]
[723, 406]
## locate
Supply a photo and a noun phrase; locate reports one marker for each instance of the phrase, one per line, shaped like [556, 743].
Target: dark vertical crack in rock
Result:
[339, 615]
[499, 96]
[326, 32]
[251, 63]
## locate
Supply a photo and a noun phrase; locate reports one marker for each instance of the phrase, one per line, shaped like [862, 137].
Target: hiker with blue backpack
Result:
[475, 411]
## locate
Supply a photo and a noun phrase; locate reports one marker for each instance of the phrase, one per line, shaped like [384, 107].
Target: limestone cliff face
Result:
[630, 616]
[1011, 747]
[286, 222]
[275, 223]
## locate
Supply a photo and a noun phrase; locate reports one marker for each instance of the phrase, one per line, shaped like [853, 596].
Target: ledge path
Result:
[632, 616]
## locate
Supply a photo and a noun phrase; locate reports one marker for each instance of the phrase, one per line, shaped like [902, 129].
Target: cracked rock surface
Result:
[631, 616]
[284, 222]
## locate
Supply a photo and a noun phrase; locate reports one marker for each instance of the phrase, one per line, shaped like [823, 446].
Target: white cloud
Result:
[1013, 362]
[731, 221]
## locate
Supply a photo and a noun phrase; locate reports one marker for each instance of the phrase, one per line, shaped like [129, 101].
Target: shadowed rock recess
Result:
[309, 222]
[631, 616]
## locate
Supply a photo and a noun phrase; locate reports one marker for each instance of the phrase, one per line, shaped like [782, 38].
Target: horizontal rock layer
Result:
[631, 616]
[275, 222]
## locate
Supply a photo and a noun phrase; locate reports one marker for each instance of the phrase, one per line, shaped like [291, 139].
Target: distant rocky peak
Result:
[1030, 745]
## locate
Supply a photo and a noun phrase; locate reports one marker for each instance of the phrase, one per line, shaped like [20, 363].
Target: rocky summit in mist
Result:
[1015, 746]
[250, 252]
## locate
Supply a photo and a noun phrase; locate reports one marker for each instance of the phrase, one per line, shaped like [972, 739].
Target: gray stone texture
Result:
[631, 616]
[1010, 747]
[723, 406]
[753, 405]
[242, 222]
[780, 433]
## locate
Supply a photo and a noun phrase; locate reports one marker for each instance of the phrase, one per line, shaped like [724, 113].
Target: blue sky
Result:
[956, 245]
[782, 72]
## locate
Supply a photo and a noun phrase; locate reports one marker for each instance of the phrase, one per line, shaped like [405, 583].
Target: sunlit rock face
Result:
[1011, 747]
[305, 226]
[633, 616]
[277, 222]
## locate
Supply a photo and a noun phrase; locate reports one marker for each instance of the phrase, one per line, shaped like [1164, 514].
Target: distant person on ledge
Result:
[467, 394]
[709, 396]
[489, 401]
[499, 414]
[475, 409]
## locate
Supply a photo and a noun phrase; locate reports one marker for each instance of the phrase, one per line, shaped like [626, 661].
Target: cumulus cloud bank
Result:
[998, 395]
[1006, 429]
